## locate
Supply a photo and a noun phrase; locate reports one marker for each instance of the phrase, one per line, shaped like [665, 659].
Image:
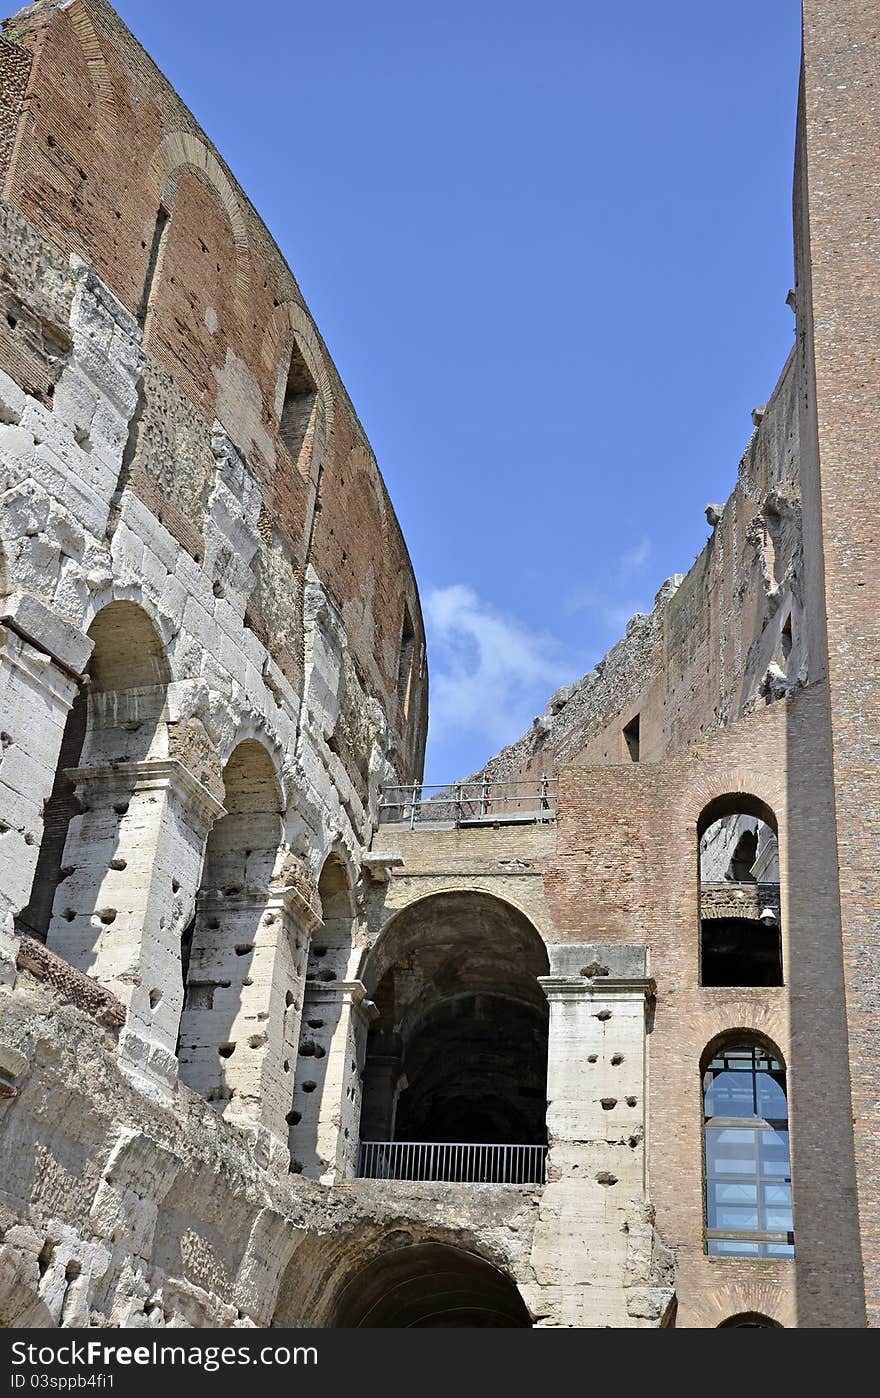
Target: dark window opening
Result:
[163, 218]
[786, 638]
[405, 666]
[748, 1168]
[631, 738]
[429, 1286]
[740, 951]
[297, 413]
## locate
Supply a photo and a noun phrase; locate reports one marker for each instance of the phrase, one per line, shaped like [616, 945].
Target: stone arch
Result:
[736, 801]
[749, 1320]
[741, 1032]
[180, 151]
[117, 717]
[326, 1093]
[717, 1308]
[458, 1051]
[228, 951]
[429, 1285]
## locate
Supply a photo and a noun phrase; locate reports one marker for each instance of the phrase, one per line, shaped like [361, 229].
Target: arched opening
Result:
[430, 1286]
[749, 1320]
[747, 1160]
[740, 914]
[455, 1083]
[327, 1086]
[115, 721]
[228, 950]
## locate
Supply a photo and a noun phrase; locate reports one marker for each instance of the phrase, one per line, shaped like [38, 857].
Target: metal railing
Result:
[453, 1162]
[469, 803]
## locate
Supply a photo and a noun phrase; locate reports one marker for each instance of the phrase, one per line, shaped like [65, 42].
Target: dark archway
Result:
[458, 1053]
[749, 1320]
[430, 1286]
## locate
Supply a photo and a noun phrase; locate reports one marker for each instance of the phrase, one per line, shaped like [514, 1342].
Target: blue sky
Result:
[548, 247]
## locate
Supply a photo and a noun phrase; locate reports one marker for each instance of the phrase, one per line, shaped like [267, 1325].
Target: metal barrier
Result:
[470, 803]
[453, 1162]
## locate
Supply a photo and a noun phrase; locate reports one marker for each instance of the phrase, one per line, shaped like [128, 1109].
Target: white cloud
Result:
[613, 612]
[615, 607]
[490, 675]
[633, 560]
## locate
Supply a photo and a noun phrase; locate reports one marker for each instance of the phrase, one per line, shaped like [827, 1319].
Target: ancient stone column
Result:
[327, 1097]
[134, 857]
[41, 661]
[383, 1083]
[594, 1212]
[241, 1022]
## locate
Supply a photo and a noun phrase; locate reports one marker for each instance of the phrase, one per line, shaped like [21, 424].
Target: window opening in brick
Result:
[748, 1169]
[405, 675]
[297, 423]
[740, 913]
[631, 738]
[163, 219]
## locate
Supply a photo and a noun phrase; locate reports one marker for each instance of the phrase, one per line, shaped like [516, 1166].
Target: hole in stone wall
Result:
[631, 738]
[226, 1050]
[160, 233]
[786, 638]
[298, 409]
[405, 664]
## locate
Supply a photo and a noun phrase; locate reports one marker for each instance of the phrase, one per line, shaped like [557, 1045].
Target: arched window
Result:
[748, 1170]
[740, 938]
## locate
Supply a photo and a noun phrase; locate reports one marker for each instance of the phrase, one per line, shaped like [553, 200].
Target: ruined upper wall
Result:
[173, 236]
[729, 636]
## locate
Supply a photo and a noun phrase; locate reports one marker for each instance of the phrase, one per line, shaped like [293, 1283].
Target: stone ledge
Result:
[102, 1005]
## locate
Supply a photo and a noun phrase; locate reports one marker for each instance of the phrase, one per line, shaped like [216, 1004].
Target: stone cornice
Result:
[574, 987]
[162, 772]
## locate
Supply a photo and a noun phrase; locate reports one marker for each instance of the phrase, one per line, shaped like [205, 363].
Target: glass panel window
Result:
[748, 1171]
